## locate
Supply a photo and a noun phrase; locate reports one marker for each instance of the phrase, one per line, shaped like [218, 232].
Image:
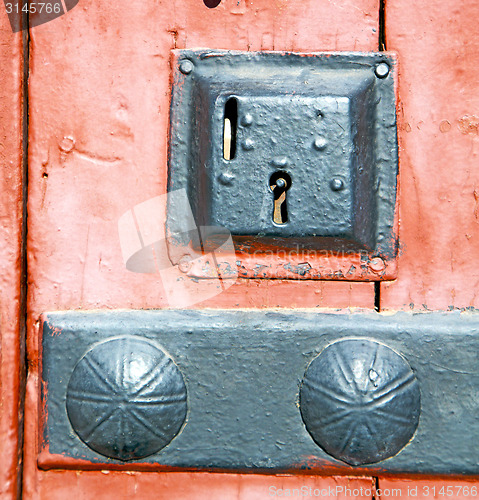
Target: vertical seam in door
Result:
[377, 296]
[24, 270]
[382, 26]
[376, 491]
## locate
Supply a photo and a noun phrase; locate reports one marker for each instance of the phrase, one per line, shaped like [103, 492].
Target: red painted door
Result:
[438, 174]
[98, 100]
[13, 283]
[99, 97]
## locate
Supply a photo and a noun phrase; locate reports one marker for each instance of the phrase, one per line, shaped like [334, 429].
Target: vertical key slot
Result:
[229, 131]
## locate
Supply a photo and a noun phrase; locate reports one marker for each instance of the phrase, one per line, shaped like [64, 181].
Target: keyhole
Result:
[229, 128]
[279, 183]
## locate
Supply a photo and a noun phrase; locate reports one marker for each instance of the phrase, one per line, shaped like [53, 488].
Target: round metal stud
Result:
[336, 184]
[211, 4]
[280, 162]
[247, 120]
[377, 265]
[226, 178]
[248, 144]
[186, 66]
[126, 399]
[320, 143]
[184, 264]
[360, 401]
[67, 144]
[382, 70]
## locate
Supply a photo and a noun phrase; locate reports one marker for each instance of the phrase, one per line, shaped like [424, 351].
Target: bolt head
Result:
[186, 66]
[281, 183]
[351, 397]
[382, 70]
[279, 162]
[116, 385]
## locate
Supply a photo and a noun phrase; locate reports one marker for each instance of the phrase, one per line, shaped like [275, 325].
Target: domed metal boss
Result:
[126, 399]
[360, 401]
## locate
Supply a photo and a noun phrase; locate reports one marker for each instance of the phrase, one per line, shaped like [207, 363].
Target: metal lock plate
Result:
[287, 150]
[306, 140]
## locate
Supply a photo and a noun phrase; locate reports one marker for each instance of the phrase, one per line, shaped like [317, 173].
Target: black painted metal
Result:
[126, 399]
[360, 401]
[327, 120]
[244, 370]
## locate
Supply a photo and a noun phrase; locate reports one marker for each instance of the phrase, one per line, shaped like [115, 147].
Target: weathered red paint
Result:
[422, 489]
[205, 486]
[99, 95]
[438, 53]
[11, 156]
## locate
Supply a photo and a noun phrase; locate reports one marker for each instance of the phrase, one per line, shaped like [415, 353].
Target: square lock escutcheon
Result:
[288, 151]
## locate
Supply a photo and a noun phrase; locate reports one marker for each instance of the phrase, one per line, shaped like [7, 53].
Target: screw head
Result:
[186, 66]
[320, 143]
[382, 70]
[336, 184]
[126, 399]
[280, 183]
[360, 401]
